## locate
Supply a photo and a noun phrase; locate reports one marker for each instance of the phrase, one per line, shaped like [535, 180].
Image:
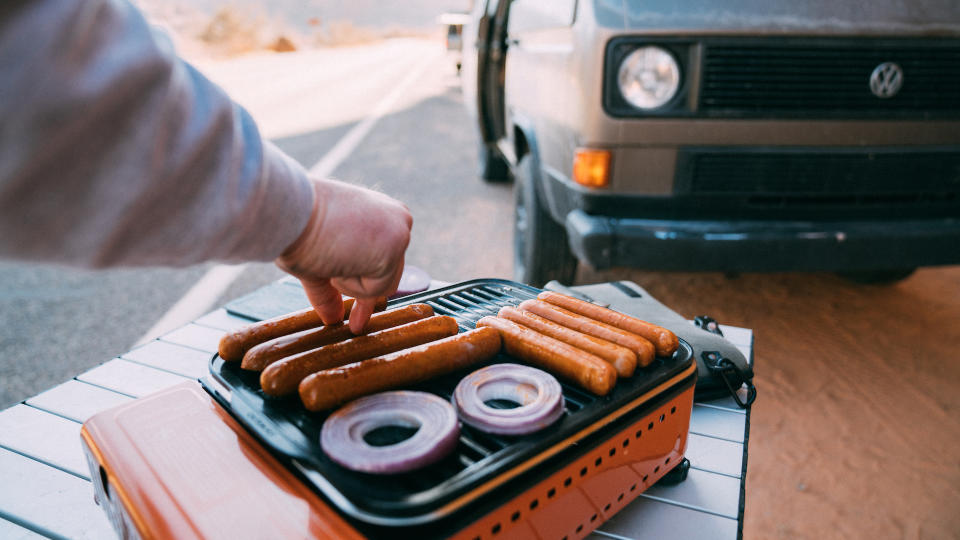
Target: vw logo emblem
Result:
[886, 80]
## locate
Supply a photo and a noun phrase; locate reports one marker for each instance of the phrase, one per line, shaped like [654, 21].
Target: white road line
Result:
[200, 298]
[345, 146]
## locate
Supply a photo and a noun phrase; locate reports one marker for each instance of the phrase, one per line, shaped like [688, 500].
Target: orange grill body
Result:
[176, 465]
[223, 462]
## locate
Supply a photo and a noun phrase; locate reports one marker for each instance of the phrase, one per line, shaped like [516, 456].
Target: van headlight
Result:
[648, 77]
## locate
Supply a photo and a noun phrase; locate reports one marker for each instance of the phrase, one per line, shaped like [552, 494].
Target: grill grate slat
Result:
[474, 302]
[474, 450]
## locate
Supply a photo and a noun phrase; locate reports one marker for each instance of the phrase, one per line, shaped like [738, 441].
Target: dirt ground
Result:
[856, 429]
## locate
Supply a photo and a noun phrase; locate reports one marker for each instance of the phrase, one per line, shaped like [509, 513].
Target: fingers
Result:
[354, 244]
[360, 314]
[325, 299]
[370, 287]
[366, 291]
[325, 295]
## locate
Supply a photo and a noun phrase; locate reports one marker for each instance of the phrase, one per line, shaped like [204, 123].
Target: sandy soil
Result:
[856, 428]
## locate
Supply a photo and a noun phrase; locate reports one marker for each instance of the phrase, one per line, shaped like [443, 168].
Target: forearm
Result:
[115, 152]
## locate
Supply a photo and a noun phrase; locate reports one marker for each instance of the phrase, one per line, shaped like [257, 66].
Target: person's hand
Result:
[354, 245]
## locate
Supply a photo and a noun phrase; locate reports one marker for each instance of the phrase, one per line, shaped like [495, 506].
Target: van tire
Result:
[541, 251]
[493, 168]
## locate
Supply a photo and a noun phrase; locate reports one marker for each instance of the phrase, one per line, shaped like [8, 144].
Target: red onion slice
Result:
[342, 435]
[538, 393]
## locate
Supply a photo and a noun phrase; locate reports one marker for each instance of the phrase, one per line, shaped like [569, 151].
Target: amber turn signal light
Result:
[591, 168]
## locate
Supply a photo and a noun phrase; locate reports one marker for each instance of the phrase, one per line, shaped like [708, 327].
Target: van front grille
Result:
[828, 78]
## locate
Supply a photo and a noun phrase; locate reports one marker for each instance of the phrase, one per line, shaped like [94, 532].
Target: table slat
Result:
[715, 455]
[222, 320]
[171, 357]
[703, 490]
[12, 531]
[271, 301]
[726, 403]
[51, 500]
[77, 400]
[130, 378]
[44, 437]
[647, 518]
[720, 423]
[193, 335]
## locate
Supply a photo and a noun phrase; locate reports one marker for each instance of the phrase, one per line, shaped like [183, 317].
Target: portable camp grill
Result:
[560, 482]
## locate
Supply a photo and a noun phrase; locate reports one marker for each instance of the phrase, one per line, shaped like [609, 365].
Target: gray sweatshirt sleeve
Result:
[113, 151]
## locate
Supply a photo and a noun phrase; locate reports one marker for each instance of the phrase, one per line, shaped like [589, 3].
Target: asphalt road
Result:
[853, 435]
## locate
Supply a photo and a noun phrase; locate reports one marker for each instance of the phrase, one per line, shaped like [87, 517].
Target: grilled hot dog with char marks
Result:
[327, 389]
[282, 377]
[664, 341]
[586, 370]
[233, 345]
[643, 348]
[621, 358]
[264, 354]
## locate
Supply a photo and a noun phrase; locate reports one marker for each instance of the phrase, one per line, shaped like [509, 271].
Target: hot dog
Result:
[327, 389]
[664, 341]
[234, 344]
[621, 358]
[282, 377]
[643, 348]
[264, 354]
[586, 370]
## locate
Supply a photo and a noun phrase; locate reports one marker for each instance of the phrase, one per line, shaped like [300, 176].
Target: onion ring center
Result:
[390, 434]
[518, 390]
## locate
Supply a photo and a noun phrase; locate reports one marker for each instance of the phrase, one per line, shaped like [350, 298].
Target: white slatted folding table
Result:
[46, 489]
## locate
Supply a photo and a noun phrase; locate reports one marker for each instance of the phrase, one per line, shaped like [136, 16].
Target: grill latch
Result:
[708, 323]
[731, 375]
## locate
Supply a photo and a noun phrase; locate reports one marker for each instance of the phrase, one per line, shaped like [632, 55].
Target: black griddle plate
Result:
[414, 497]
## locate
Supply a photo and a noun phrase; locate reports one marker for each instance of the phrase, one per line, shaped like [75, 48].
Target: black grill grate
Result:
[291, 431]
[829, 77]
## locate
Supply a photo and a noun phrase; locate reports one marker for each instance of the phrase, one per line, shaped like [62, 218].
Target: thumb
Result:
[325, 299]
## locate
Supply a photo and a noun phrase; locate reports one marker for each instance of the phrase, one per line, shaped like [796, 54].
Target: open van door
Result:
[491, 47]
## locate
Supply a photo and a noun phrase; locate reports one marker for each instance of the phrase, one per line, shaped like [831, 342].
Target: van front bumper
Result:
[745, 246]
